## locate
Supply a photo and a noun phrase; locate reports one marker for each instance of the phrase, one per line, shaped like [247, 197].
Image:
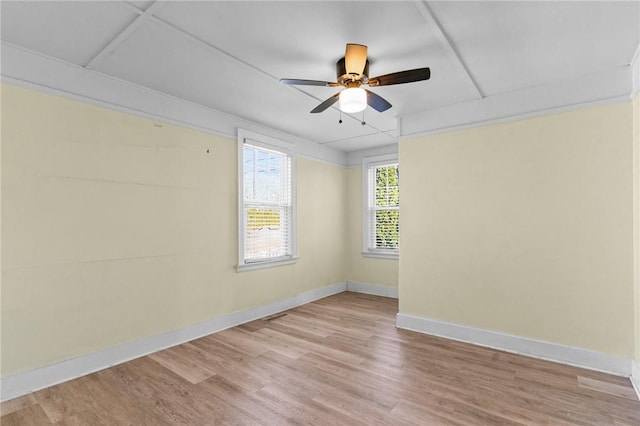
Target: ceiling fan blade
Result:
[326, 104]
[377, 102]
[401, 77]
[298, 82]
[355, 58]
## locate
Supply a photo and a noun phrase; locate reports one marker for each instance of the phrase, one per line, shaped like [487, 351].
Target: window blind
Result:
[384, 207]
[267, 204]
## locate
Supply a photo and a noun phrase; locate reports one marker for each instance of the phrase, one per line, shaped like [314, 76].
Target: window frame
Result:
[266, 142]
[367, 164]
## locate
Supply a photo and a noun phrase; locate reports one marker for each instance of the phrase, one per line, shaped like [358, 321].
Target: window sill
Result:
[265, 264]
[380, 255]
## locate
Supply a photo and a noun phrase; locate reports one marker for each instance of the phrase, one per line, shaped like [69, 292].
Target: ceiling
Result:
[487, 59]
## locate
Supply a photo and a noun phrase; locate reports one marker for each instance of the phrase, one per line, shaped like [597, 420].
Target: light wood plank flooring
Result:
[339, 360]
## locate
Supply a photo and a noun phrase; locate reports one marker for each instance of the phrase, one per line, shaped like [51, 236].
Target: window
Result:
[267, 214]
[381, 217]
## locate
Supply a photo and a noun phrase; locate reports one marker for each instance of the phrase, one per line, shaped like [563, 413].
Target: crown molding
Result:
[25, 68]
[603, 87]
[354, 158]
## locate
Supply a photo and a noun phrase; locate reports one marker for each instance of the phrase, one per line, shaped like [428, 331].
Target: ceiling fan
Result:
[352, 73]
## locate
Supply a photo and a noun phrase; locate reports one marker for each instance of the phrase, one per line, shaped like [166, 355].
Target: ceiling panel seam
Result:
[124, 34]
[434, 24]
[148, 14]
[523, 90]
[99, 100]
[210, 46]
[564, 80]
[207, 45]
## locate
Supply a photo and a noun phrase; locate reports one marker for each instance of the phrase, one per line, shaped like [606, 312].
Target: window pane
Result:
[386, 191]
[387, 229]
[267, 203]
[248, 170]
[266, 232]
[394, 196]
[266, 176]
[381, 196]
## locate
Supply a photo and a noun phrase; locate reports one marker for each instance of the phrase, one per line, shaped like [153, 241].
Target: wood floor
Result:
[339, 360]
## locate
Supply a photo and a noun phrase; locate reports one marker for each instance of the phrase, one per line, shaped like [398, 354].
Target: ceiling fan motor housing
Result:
[343, 77]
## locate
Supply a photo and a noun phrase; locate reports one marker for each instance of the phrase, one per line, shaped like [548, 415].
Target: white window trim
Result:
[246, 136]
[368, 162]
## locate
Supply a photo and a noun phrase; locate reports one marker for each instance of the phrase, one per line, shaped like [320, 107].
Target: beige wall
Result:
[524, 228]
[362, 269]
[116, 228]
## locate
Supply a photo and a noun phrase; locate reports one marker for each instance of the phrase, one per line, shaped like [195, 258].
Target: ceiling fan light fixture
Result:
[353, 99]
[352, 71]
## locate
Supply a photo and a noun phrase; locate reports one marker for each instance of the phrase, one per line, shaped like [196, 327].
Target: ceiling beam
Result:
[449, 47]
[124, 34]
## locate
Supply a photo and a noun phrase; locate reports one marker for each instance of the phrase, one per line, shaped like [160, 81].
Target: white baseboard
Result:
[570, 355]
[635, 376]
[23, 383]
[376, 290]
